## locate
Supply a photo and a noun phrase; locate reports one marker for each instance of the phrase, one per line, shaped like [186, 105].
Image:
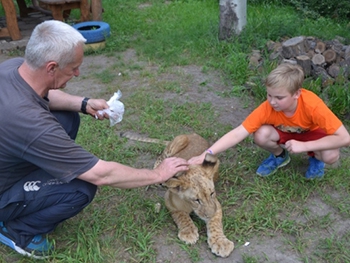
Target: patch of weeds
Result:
[338, 99]
[106, 76]
[250, 259]
[335, 248]
[16, 53]
[147, 74]
[191, 251]
[143, 243]
[173, 86]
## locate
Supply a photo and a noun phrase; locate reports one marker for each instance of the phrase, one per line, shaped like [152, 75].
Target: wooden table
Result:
[12, 29]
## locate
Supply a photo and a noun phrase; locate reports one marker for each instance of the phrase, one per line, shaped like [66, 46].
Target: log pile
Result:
[328, 60]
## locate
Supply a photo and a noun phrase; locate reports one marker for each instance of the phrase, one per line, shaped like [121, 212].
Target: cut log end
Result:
[320, 47]
[318, 59]
[329, 55]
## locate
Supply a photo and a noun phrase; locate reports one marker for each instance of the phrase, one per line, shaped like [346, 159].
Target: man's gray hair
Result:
[52, 40]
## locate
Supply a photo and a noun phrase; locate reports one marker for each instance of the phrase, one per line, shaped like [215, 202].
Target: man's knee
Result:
[85, 189]
[72, 202]
[90, 191]
[69, 120]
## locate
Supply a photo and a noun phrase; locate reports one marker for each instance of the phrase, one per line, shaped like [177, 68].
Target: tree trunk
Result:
[233, 18]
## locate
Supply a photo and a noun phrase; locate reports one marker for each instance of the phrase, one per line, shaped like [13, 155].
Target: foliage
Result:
[327, 8]
[339, 10]
[338, 99]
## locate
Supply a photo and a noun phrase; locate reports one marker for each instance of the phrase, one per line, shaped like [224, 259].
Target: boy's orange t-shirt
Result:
[311, 113]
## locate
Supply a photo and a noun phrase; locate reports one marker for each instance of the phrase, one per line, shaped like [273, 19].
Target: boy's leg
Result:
[316, 164]
[268, 138]
[38, 203]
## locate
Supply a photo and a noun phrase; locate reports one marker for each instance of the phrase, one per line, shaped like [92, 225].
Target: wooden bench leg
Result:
[84, 10]
[23, 9]
[96, 10]
[57, 12]
[11, 19]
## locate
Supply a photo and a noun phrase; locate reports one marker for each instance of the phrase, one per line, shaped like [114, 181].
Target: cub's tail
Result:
[140, 138]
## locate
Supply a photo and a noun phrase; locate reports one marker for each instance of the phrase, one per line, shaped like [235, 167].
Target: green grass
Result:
[122, 225]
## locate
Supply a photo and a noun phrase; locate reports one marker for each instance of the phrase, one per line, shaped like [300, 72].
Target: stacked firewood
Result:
[328, 60]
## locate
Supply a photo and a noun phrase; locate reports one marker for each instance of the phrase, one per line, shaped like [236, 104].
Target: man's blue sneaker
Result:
[38, 248]
[316, 169]
[271, 164]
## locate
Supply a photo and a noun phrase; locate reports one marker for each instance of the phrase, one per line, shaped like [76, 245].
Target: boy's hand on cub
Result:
[197, 159]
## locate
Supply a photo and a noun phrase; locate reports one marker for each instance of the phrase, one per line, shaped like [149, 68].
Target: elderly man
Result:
[45, 177]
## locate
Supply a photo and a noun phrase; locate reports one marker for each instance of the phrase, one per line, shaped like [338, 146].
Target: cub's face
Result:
[195, 189]
[202, 197]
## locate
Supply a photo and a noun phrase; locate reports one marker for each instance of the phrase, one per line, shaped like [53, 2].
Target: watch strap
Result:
[83, 105]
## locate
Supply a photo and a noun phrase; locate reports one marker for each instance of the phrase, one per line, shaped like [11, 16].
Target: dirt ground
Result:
[267, 249]
[231, 111]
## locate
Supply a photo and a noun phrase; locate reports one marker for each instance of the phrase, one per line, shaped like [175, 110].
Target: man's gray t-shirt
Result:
[31, 138]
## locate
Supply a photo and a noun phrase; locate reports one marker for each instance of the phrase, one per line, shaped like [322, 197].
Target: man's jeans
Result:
[39, 202]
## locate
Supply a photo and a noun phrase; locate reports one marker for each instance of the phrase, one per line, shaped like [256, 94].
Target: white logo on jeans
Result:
[31, 186]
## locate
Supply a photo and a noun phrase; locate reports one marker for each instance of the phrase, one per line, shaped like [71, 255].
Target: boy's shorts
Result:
[303, 137]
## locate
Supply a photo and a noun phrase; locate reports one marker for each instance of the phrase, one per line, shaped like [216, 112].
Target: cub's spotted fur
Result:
[194, 191]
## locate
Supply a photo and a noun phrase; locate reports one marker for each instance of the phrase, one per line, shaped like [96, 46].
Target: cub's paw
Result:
[189, 234]
[221, 246]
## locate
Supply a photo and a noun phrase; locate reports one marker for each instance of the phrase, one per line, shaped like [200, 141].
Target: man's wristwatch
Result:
[83, 105]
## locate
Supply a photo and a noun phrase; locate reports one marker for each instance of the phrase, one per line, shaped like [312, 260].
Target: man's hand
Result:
[169, 167]
[94, 105]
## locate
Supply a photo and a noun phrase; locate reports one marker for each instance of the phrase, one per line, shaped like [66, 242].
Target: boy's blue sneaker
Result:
[271, 164]
[316, 169]
[38, 248]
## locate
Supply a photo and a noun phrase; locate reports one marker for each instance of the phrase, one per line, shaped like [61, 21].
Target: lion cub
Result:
[194, 191]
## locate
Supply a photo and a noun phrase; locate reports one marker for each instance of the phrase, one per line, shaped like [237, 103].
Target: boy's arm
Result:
[337, 140]
[229, 140]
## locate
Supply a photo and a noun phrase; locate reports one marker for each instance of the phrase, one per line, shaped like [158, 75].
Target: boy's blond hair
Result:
[286, 75]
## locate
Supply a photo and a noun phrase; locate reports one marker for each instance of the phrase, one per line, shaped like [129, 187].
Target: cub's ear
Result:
[211, 164]
[179, 174]
[172, 183]
[210, 159]
[177, 184]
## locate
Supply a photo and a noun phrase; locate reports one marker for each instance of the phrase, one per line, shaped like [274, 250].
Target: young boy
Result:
[291, 120]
